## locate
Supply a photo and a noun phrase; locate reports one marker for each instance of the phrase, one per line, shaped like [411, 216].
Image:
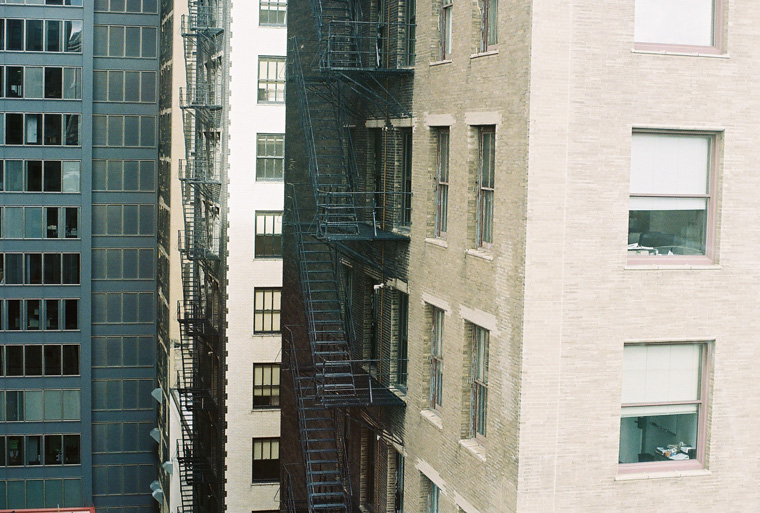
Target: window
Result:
[271, 80]
[272, 12]
[398, 485]
[479, 377]
[124, 86]
[442, 183]
[403, 340]
[270, 156]
[663, 414]
[672, 197]
[124, 131]
[411, 27]
[132, 6]
[406, 177]
[487, 158]
[489, 33]
[682, 24]
[266, 385]
[436, 359]
[266, 460]
[433, 496]
[268, 234]
[444, 29]
[266, 310]
[121, 41]
[124, 175]
[28, 129]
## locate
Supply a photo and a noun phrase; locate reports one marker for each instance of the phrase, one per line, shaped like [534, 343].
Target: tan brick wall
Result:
[473, 287]
[558, 284]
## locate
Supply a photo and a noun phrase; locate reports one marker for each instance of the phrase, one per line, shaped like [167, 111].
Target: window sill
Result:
[665, 474]
[681, 53]
[433, 417]
[265, 409]
[480, 253]
[441, 243]
[475, 448]
[438, 63]
[484, 54]
[265, 483]
[673, 267]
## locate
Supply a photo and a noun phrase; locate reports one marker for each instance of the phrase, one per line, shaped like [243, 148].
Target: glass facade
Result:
[78, 228]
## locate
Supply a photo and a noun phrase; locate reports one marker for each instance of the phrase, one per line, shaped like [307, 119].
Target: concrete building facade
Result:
[256, 175]
[558, 361]
[79, 109]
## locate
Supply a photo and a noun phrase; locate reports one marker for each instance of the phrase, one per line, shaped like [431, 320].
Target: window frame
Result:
[485, 211]
[436, 357]
[479, 382]
[711, 203]
[264, 312]
[263, 441]
[442, 182]
[445, 30]
[267, 245]
[717, 36]
[268, 81]
[266, 159]
[279, 6]
[274, 391]
[702, 415]
[489, 25]
[433, 493]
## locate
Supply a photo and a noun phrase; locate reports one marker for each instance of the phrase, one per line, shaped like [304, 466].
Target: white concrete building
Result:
[257, 128]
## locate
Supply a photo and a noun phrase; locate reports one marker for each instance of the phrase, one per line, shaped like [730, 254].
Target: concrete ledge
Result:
[433, 417]
[475, 448]
[479, 253]
[441, 243]
[668, 474]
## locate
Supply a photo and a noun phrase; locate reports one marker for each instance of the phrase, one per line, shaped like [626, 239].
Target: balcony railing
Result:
[369, 46]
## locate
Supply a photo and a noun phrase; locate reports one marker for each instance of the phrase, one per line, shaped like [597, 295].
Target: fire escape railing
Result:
[200, 247]
[349, 82]
[328, 485]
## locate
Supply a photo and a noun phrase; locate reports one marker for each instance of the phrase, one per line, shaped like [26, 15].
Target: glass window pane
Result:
[53, 404]
[681, 22]
[53, 82]
[33, 399]
[34, 82]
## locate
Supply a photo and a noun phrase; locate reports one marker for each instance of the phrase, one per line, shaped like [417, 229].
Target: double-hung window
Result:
[671, 206]
[442, 183]
[489, 35]
[272, 12]
[266, 460]
[271, 80]
[663, 414]
[270, 156]
[266, 385]
[433, 496]
[679, 25]
[486, 163]
[436, 359]
[444, 29]
[479, 405]
[266, 310]
[268, 239]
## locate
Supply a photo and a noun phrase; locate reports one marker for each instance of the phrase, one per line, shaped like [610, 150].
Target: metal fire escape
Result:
[343, 216]
[200, 313]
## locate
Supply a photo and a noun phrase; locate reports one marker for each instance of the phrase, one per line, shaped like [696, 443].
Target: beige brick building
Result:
[593, 106]
[557, 360]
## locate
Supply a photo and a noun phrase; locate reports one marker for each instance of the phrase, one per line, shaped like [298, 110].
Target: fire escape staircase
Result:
[202, 105]
[328, 487]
